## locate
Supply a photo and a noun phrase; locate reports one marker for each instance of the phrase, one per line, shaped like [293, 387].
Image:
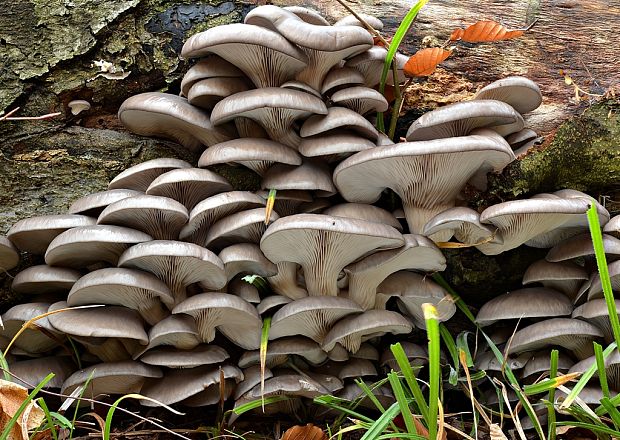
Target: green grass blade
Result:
[401, 435]
[410, 379]
[592, 427]
[340, 405]
[62, 420]
[258, 403]
[548, 384]
[600, 365]
[377, 428]
[23, 406]
[5, 368]
[264, 341]
[432, 331]
[399, 394]
[462, 345]
[603, 270]
[455, 297]
[611, 410]
[450, 344]
[48, 416]
[371, 396]
[553, 372]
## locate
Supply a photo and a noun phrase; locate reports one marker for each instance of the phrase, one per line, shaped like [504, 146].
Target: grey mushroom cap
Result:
[612, 368]
[272, 303]
[461, 222]
[324, 46]
[596, 288]
[360, 99]
[188, 186]
[83, 246]
[519, 92]
[280, 350]
[140, 176]
[312, 316]
[160, 217]
[178, 385]
[251, 378]
[311, 175]
[412, 290]
[246, 258]
[172, 117]
[275, 109]
[290, 385]
[43, 279]
[334, 146]
[31, 340]
[370, 64]
[540, 362]
[77, 106]
[338, 118]
[365, 275]
[363, 176]
[33, 371]
[234, 317]
[209, 91]
[521, 137]
[566, 276]
[461, 118]
[351, 20]
[93, 204]
[341, 77]
[34, 234]
[325, 245]
[363, 211]
[214, 208]
[240, 227]
[111, 378]
[9, 258]
[487, 361]
[613, 225]
[308, 15]
[255, 154]
[131, 288]
[178, 331]
[596, 312]
[573, 334]
[357, 368]
[301, 86]
[175, 358]
[248, 46]
[366, 351]
[244, 289]
[533, 302]
[176, 263]
[211, 66]
[416, 355]
[353, 330]
[580, 246]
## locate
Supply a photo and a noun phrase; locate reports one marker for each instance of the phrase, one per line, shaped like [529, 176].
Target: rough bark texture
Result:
[47, 51]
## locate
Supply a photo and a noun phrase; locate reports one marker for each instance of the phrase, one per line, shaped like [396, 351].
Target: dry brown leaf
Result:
[496, 432]
[308, 432]
[484, 31]
[11, 398]
[425, 61]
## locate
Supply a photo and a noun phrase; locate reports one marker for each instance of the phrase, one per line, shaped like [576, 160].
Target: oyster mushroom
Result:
[93, 204]
[140, 176]
[9, 258]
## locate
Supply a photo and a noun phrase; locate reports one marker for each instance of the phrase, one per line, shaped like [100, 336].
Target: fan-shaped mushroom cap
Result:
[246, 258]
[426, 192]
[341, 77]
[93, 204]
[307, 15]
[566, 277]
[413, 290]
[139, 177]
[596, 312]
[357, 368]
[244, 289]
[417, 253]
[533, 302]
[271, 304]
[460, 118]
[9, 258]
[487, 361]
[279, 351]
[31, 340]
[541, 221]
[590, 395]
[353, 392]
[285, 281]
[580, 246]
[360, 99]
[573, 334]
[172, 117]
[612, 368]
[83, 246]
[540, 362]
[240, 227]
[290, 385]
[174, 358]
[34, 234]
[33, 371]
[521, 93]
[131, 288]
[311, 175]
[179, 331]
[353, 330]
[324, 46]
[334, 146]
[77, 106]
[338, 118]
[287, 201]
[312, 316]
[460, 221]
[43, 279]
[351, 20]
[188, 185]
[251, 378]
[214, 208]
[207, 92]
[363, 211]
[370, 64]
[301, 86]
[212, 66]
[366, 351]
[275, 109]
[255, 154]
[99, 322]
[416, 355]
[613, 225]
[521, 138]
[596, 289]
[248, 46]
[160, 217]
[111, 378]
[176, 263]
[323, 245]
[234, 317]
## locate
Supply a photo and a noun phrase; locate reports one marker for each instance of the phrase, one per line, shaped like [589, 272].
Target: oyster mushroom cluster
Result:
[167, 250]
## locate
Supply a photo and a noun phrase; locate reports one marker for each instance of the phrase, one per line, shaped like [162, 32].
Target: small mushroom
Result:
[247, 259]
[34, 339]
[580, 247]
[338, 118]
[33, 371]
[78, 106]
[281, 350]
[566, 277]
[596, 312]
[362, 100]
[93, 204]
[540, 362]
[335, 145]
[341, 77]
[212, 66]
[9, 258]
[240, 227]
[207, 92]
[43, 279]
[370, 64]
[311, 175]
[139, 177]
[176, 358]
[521, 93]
[178, 331]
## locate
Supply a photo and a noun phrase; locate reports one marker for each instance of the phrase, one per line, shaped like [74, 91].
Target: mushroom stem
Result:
[110, 350]
[153, 312]
[417, 217]
[285, 282]
[322, 280]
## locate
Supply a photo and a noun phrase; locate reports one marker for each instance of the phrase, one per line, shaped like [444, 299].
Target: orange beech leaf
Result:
[308, 432]
[425, 61]
[377, 41]
[484, 31]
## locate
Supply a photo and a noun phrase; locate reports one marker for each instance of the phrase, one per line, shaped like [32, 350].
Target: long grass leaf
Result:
[600, 365]
[553, 372]
[410, 379]
[432, 332]
[612, 411]
[399, 394]
[377, 428]
[48, 416]
[264, 341]
[592, 427]
[241, 409]
[341, 405]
